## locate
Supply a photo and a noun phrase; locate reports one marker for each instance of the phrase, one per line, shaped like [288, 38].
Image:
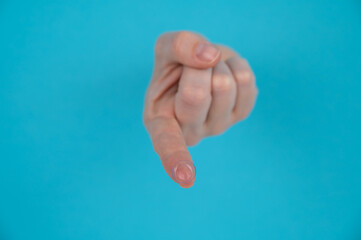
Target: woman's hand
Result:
[197, 90]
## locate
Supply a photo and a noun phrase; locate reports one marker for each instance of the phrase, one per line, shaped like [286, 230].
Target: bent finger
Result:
[223, 99]
[192, 102]
[246, 87]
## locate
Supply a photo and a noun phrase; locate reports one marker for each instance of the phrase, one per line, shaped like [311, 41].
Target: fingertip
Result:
[188, 185]
[169, 143]
[184, 173]
[207, 53]
[187, 48]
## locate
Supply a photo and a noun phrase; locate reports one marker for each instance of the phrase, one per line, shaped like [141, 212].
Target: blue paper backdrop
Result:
[77, 163]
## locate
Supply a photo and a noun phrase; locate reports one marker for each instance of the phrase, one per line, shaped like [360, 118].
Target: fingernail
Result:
[184, 172]
[207, 52]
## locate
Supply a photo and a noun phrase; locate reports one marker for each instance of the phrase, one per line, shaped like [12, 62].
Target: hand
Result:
[197, 90]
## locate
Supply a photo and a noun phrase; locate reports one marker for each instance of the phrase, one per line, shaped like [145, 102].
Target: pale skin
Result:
[198, 89]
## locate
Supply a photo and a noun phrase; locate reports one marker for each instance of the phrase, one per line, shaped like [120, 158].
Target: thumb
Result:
[186, 48]
[168, 142]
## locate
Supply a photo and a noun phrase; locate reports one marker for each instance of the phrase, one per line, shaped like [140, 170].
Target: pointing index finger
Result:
[169, 143]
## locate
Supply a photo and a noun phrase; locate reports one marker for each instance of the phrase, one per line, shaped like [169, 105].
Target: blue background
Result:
[77, 163]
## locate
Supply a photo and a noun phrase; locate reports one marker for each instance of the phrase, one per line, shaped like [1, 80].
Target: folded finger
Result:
[246, 87]
[223, 99]
[192, 101]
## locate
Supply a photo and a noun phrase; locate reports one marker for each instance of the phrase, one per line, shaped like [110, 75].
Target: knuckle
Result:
[245, 77]
[194, 96]
[222, 83]
[162, 137]
[147, 117]
[165, 138]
